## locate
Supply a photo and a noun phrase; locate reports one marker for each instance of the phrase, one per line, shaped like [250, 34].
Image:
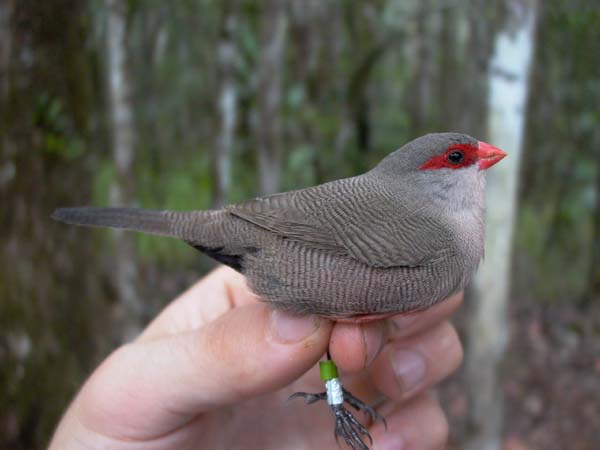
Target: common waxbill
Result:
[400, 237]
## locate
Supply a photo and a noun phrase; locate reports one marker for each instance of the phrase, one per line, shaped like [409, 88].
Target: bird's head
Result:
[442, 165]
[444, 152]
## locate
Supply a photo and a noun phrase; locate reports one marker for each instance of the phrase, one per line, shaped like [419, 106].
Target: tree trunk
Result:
[269, 124]
[477, 52]
[593, 291]
[488, 327]
[129, 311]
[449, 68]
[311, 23]
[47, 96]
[227, 107]
[421, 97]
[6, 11]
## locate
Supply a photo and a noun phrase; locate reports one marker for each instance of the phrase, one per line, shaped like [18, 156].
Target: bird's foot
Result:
[349, 428]
[346, 425]
[359, 405]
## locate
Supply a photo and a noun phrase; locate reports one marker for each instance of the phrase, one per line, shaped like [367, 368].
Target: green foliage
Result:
[58, 139]
[105, 178]
[176, 187]
[556, 219]
[182, 187]
[300, 167]
[550, 268]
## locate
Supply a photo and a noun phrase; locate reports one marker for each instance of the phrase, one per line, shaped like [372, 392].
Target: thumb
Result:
[149, 388]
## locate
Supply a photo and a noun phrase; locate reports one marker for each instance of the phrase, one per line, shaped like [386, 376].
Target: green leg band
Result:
[328, 370]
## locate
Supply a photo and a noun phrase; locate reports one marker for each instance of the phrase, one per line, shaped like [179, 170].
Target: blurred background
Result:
[192, 104]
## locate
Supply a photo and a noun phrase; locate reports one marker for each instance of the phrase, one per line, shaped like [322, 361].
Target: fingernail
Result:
[289, 328]
[410, 368]
[389, 442]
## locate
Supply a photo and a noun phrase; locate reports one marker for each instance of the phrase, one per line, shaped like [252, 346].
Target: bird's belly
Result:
[305, 280]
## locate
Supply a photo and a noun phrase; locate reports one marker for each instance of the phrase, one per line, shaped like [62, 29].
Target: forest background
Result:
[192, 104]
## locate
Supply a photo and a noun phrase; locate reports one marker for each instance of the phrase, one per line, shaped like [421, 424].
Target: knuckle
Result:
[442, 433]
[451, 347]
[440, 428]
[225, 352]
[427, 410]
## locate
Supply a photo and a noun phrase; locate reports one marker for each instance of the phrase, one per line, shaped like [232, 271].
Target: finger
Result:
[149, 388]
[420, 424]
[403, 325]
[354, 346]
[214, 295]
[407, 367]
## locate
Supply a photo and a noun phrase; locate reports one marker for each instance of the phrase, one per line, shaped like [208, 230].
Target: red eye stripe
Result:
[441, 161]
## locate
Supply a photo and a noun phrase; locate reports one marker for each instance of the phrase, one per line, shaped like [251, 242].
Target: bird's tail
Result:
[164, 223]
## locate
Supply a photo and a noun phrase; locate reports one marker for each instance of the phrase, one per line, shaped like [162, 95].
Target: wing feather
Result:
[370, 226]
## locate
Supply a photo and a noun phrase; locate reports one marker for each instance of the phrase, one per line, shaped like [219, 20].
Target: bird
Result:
[398, 238]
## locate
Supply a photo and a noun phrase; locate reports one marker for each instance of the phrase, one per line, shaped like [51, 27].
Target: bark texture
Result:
[270, 80]
[594, 282]
[488, 328]
[227, 107]
[129, 311]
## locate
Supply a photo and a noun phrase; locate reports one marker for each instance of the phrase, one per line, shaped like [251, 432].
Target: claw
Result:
[308, 398]
[349, 428]
[359, 405]
[346, 425]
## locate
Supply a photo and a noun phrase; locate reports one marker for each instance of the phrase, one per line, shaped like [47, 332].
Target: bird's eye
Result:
[456, 157]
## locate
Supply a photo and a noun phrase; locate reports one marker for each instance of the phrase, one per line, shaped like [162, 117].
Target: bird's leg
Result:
[346, 424]
[359, 405]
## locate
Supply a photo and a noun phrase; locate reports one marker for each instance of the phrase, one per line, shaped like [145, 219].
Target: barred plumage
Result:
[397, 238]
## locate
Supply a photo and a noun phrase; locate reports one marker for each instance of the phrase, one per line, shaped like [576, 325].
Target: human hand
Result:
[215, 368]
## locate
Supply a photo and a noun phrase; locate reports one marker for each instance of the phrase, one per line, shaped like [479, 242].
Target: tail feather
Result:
[154, 222]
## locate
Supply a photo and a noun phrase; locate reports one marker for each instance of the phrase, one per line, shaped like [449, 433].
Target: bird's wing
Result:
[368, 227]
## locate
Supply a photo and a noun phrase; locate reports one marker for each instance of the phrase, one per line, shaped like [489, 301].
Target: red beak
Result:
[488, 155]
